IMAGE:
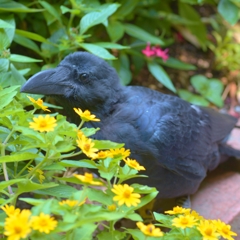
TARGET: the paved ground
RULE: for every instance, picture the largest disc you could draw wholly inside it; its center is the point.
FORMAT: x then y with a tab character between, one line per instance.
219	194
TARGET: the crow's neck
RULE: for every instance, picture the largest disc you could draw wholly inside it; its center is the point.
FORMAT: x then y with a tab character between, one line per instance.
102	108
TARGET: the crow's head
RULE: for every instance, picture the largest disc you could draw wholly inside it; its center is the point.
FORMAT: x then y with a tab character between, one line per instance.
81	79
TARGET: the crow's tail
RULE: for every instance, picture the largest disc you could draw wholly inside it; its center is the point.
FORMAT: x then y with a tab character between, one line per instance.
226	150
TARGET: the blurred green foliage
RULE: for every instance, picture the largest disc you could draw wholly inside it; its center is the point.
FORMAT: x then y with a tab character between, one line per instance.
46	31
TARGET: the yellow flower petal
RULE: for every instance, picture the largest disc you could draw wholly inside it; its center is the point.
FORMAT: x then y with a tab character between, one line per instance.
86	115
43	123
208	230
39	103
87	146
184	221
120	152
88	178
18	226
124	195
178	210
150	230
43	223
134	164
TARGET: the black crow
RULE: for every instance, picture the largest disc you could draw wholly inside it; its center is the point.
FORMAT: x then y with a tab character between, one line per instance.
176	141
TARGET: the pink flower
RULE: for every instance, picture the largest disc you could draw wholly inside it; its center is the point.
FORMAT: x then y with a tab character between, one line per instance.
155	51
148	51
161	53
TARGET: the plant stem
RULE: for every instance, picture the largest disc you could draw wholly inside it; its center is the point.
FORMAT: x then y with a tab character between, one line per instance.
23	169
4	165
31	173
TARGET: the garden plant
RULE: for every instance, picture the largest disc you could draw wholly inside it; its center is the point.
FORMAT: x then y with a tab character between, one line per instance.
56	180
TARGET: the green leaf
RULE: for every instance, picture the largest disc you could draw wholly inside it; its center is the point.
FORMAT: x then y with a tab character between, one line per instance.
6	95
4	64
99	196
175	63
31	35
80	163
199	30
94	18
111	45
211	89
29	186
61	191
97	50
17	78
115	30
51	10
12	6
85	232
141	34
89	131
21	40
7	34
229	11
192	98
122	65
106	144
112	235
158	72
126	8
5	184
21	58
4	24
17	157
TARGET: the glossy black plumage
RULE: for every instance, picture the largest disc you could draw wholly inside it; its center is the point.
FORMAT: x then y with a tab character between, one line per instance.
176	141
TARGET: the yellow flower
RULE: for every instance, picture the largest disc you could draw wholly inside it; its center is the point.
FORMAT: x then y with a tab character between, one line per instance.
43	223
43	123
38	174
86	115
120	152
72	203
150	230
87	146
87	178
18	226
184	221
134	164
39	103
80	134
103	155
125	195
11	210
224	229
208	230
112	207
178	210
194	214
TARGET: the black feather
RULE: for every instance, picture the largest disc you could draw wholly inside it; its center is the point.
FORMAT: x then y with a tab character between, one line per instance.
176	141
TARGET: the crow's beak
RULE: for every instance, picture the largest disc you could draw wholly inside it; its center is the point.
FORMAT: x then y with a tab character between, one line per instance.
48	82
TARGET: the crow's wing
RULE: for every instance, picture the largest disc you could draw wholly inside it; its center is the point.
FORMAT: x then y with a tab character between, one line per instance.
184	136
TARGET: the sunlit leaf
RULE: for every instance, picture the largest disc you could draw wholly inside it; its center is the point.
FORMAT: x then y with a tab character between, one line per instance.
100	16
159	73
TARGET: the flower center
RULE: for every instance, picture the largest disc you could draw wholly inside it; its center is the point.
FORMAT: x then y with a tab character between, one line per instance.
150	229
184	221
208	232
17	229
127	193
43	223
43	124
87	146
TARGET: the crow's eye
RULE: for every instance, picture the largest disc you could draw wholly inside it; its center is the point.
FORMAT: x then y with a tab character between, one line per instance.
83	76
